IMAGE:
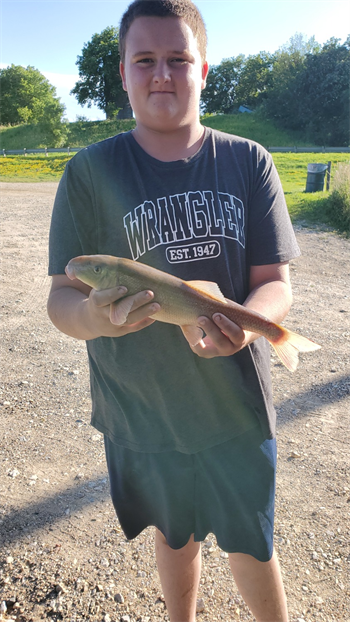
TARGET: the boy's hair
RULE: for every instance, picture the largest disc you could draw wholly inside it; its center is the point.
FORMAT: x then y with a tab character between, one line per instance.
164	8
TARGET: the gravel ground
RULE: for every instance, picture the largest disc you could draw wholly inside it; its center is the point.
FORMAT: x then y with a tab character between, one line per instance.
63	555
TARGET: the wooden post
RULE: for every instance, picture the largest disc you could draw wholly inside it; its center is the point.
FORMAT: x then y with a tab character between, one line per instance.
4	153
328	182
25	151
46	152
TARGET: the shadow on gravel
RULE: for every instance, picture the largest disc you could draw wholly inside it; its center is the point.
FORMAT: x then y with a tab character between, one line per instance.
50	510
319	395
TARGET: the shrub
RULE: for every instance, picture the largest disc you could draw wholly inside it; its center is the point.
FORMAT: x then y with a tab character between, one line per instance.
339	198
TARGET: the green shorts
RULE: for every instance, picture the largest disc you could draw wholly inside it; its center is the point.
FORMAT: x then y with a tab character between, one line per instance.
227	490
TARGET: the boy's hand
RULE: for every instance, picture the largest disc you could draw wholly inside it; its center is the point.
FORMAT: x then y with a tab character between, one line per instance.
103	311
85	313
223	337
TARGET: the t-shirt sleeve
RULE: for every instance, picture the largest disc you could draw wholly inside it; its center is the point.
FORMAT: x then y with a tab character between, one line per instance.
73	223
271	235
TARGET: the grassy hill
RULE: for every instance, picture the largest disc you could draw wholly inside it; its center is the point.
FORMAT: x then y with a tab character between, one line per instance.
82	133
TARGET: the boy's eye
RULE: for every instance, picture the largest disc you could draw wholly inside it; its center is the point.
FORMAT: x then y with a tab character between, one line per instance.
145	60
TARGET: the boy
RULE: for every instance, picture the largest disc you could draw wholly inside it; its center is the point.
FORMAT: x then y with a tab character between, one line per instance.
189	432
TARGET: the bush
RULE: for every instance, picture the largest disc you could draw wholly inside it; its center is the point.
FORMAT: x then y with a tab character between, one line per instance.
339	198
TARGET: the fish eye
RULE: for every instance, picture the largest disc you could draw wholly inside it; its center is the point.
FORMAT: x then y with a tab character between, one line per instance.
97	269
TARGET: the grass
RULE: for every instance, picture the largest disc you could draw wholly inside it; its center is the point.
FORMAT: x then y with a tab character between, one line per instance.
292	167
80	134
255	127
33	167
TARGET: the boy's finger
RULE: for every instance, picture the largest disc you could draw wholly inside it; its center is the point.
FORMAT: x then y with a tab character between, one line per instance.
105	297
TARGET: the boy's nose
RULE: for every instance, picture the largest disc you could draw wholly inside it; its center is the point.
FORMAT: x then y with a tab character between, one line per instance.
161	73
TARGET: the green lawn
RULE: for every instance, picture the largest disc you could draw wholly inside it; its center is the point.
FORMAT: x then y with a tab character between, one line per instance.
292	167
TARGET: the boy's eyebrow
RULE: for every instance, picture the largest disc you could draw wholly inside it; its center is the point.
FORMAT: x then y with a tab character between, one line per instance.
150	52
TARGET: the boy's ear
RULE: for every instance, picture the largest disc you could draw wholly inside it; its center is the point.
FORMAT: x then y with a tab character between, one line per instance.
205	70
122	73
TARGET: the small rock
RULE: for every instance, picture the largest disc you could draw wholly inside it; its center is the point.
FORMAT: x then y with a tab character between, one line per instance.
3	607
13	473
125	619
104	562
9	559
200	605
224	555
60	588
107	618
294	454
99	587
119	598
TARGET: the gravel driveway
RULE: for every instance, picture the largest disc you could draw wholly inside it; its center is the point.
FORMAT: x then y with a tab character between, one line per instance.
63	555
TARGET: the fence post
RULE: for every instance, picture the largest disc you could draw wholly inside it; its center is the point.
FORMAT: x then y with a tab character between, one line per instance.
46	152
329	165
25	151
4	153
68	151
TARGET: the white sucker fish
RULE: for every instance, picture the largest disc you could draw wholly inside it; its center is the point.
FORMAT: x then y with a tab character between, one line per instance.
182	302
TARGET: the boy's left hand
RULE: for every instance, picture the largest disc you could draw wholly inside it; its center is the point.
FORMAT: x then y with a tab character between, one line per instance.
223	337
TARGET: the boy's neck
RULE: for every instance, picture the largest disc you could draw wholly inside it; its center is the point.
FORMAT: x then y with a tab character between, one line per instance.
170	146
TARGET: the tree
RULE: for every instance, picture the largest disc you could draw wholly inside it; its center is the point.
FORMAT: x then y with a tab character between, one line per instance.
284	97
310	90
28	97
100	82
325	87
220	93
254	80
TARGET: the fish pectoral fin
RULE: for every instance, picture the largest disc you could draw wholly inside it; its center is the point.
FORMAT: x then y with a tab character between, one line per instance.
209	288
193	334
120	310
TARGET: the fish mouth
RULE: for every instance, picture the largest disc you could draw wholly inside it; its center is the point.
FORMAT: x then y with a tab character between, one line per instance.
69	270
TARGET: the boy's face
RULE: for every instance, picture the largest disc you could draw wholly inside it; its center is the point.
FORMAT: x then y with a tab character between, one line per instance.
163	73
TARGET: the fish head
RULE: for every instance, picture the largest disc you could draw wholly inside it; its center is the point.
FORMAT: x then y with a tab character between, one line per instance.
97	271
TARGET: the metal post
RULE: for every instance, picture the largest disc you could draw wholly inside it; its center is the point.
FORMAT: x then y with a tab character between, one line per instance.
328	182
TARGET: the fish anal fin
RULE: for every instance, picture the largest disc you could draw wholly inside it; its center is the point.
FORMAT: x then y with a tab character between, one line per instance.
193	334
119	311
209	288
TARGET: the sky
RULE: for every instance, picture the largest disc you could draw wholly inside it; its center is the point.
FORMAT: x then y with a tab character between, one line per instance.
50	34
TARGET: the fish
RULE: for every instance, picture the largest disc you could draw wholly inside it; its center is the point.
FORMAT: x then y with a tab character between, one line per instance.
182	302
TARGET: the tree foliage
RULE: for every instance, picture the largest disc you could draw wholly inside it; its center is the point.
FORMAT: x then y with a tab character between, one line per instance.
303	87
237	81
220	92
28	97
100	82
310	91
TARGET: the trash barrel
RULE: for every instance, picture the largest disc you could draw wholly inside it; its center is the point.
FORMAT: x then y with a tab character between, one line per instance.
315	177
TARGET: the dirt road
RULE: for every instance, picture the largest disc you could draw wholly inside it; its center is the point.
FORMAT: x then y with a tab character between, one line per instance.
63	556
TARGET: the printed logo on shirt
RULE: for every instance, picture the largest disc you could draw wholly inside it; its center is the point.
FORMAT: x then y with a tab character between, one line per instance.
183	218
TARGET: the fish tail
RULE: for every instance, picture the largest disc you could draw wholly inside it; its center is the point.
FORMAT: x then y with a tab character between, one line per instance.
288	346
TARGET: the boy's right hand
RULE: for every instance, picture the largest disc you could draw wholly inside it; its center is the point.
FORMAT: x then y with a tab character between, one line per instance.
106	307
84	313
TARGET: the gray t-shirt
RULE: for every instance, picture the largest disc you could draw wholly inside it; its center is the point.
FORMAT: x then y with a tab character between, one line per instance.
207	217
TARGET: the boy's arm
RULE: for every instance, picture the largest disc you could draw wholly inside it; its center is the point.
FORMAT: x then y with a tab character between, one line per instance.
270	295
84	313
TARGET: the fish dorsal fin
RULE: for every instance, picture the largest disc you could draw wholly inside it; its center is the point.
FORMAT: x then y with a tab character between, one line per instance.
209	288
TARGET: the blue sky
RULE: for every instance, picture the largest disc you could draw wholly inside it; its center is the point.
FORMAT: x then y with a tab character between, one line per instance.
50	34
